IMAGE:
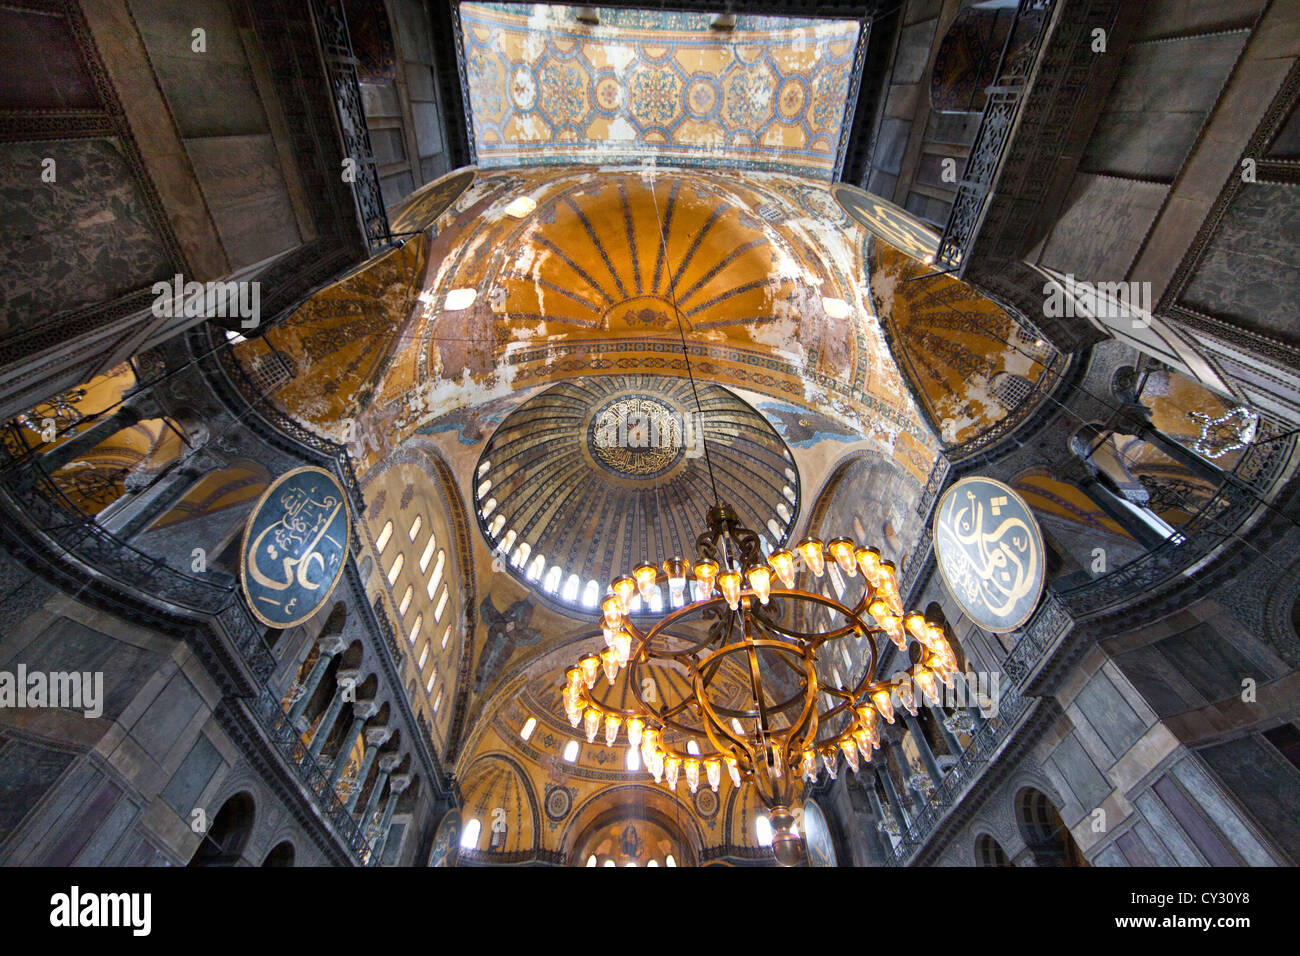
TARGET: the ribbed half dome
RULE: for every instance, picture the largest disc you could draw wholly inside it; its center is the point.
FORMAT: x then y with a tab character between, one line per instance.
592	476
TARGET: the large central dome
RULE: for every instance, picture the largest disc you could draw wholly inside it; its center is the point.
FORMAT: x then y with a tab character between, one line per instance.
590	477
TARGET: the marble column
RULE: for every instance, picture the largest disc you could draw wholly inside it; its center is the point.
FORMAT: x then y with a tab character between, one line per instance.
949	738
346	679
387	764
891	792
361	712
151	504
397	784
327	647
89	436
923	748
376	737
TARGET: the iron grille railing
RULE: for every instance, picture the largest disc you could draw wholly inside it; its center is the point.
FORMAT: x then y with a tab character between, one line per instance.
341	63
1015	66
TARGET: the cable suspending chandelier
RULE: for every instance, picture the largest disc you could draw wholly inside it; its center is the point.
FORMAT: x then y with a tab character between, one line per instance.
754	691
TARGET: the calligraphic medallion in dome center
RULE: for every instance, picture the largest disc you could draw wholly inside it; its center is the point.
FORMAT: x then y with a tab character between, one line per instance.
989	549
639	436
295	545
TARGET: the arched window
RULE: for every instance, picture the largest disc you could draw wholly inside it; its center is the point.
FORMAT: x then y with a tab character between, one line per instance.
571	751
989	852
415	628
591	594
571	588
224	840
469	835
436	578
405	604
382	541
415	527
280	855
529	726
396	569
428	553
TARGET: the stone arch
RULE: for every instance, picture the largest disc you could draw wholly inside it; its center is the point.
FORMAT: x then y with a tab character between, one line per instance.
631	802
223	843
282	854
989	852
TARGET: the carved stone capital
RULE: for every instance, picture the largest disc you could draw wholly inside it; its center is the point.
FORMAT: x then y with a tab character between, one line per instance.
399	782
364	709
388	762
378	736
330	645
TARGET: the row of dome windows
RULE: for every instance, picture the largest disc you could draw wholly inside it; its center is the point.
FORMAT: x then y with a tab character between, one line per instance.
434	587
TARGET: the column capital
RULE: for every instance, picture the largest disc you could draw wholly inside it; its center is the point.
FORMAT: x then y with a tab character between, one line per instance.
364	709
388	762
330	645
344	676
378	736
399	782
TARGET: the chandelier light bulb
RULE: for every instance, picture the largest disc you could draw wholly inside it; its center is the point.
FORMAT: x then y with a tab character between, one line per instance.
649	744
782	563
868	725
609	664
622	648
869	564
915	623
760	581
729	584
645	575
706	573
850	748
609	633
692	768
590	667
624	587
924	678
672	766
733	770
841	549
830	757
612	606
655	764
612	724
634	727
713	771
810	549
883	700
675	568
808	766
591	723
907	696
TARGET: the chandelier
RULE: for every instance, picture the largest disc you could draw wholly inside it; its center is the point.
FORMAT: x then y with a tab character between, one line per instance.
743	620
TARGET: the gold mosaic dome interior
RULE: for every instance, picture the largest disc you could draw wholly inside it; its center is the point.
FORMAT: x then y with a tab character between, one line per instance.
585	480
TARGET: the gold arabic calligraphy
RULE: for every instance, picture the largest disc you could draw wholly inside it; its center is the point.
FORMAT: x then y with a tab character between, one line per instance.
295	541
1000	565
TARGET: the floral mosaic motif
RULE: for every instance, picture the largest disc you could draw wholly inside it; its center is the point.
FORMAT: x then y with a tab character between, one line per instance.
564	93
771	95
830	90
487	79
656	96
749	97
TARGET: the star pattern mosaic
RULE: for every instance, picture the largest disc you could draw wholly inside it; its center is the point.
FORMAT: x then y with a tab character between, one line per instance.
546	89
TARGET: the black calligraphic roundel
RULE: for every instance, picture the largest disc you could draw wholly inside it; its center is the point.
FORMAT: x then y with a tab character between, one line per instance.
989	549
295	544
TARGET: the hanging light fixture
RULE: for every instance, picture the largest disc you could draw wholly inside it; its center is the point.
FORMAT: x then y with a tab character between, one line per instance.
745	619
744	616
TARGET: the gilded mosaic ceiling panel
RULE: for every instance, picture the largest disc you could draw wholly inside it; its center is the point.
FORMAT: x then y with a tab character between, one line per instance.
545	88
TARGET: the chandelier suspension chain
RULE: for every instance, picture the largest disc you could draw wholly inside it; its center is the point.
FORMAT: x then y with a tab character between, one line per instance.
681	332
